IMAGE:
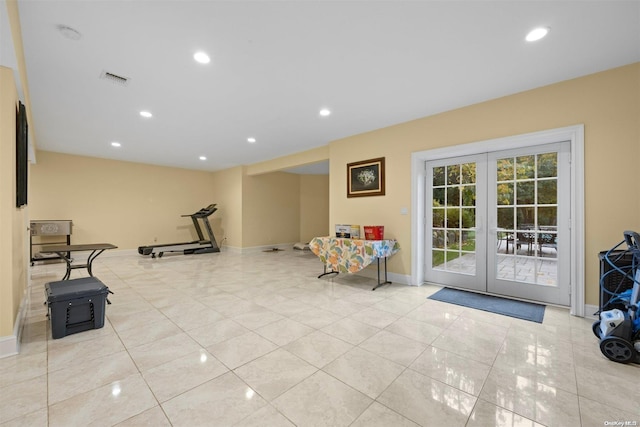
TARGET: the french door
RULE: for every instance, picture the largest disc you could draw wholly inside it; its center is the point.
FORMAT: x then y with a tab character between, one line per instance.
455	220
499	222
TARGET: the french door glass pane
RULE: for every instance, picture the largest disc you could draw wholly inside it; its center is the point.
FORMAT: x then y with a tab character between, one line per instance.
454	218
527	207
438	176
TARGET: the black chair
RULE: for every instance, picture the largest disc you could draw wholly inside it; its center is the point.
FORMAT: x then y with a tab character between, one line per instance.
526	237
548	238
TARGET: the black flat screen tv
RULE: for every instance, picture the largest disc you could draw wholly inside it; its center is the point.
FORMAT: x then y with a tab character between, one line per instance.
22	155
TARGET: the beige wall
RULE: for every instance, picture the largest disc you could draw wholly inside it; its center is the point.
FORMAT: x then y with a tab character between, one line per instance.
227	221
314	206
281	207
270	209
127	204
132	204
314	155
313	197
13	221
606	103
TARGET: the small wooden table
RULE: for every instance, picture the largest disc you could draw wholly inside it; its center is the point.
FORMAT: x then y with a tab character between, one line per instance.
64	252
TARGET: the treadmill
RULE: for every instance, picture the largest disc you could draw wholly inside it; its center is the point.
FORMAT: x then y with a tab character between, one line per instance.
200	246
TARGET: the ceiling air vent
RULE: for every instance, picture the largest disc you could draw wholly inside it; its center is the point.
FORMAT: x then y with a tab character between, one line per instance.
114	78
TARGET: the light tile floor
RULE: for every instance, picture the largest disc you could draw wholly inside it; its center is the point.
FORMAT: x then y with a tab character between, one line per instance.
257	340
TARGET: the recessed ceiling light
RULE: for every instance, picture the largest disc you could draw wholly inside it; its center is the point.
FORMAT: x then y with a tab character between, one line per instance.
146	114
68	32
251	140
537	34
201	57
325	112
203	158
115	144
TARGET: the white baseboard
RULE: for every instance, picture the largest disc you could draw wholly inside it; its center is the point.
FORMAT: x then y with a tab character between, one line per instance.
234	249
263	248
589	311
10	345
225	248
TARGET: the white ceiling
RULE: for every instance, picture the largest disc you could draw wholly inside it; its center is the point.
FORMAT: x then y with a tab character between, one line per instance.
275	64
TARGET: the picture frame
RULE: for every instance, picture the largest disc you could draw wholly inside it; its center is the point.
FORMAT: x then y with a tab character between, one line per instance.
366	178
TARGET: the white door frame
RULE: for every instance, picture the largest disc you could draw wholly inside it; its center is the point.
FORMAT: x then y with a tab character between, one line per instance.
574	134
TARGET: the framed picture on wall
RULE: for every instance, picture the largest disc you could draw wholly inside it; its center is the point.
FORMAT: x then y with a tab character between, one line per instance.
365	178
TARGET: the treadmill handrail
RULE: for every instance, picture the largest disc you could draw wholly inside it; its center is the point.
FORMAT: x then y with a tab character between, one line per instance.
204	212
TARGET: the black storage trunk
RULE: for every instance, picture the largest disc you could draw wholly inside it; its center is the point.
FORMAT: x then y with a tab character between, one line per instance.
612	280
76	305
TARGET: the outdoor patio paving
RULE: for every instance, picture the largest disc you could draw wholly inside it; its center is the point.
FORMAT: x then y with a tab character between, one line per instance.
520	267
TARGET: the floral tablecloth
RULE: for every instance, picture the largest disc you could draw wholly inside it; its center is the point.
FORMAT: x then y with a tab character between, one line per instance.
351	255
